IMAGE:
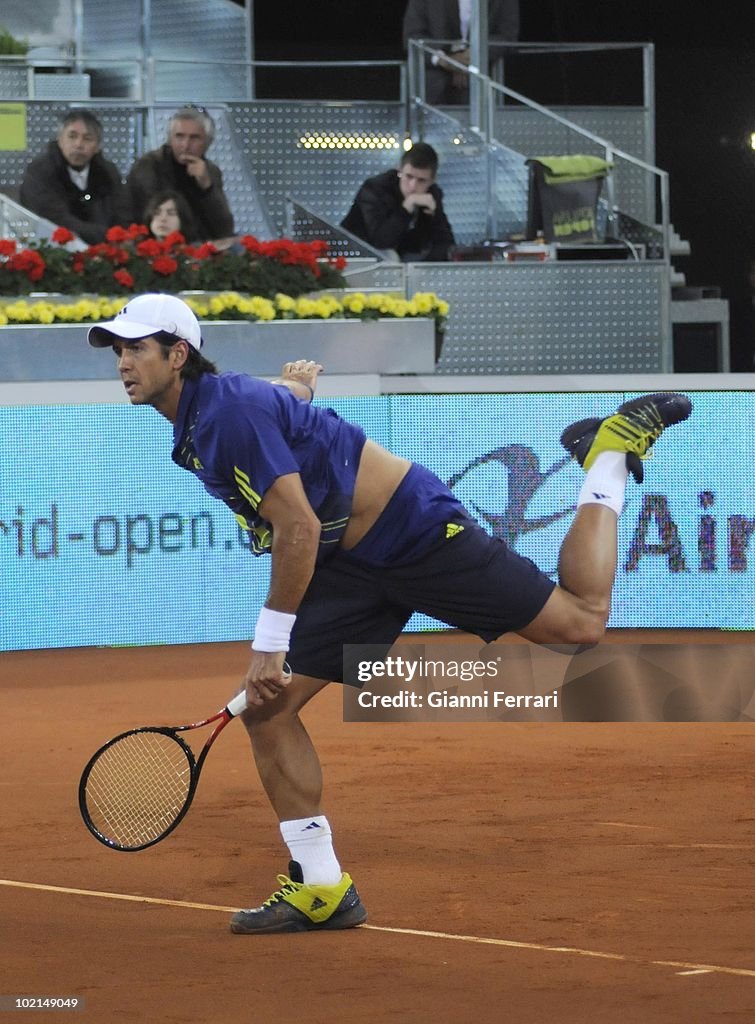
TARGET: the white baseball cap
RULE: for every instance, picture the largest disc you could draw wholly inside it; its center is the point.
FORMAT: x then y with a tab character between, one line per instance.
146	315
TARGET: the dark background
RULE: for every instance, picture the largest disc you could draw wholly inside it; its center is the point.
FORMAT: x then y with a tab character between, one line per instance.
704	66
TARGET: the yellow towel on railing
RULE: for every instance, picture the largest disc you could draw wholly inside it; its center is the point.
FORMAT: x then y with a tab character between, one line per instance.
564	169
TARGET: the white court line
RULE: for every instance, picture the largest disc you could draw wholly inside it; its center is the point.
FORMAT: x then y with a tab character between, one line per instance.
479	940
625	824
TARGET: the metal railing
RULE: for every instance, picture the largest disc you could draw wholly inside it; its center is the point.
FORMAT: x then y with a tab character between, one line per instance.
150	78
485	96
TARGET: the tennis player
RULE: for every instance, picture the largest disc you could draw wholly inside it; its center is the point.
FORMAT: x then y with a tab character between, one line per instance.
359	538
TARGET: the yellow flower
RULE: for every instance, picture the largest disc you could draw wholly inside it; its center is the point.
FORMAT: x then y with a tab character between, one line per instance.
18	311
255	307
424	302
263	309
42	313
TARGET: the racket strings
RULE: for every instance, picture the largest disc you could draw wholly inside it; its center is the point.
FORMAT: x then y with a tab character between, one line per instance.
137	788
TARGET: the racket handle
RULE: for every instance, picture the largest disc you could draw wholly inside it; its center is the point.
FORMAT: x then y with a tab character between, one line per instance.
238	703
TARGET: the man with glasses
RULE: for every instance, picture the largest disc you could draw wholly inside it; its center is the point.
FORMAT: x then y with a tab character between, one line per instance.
73	185
180	165
403	211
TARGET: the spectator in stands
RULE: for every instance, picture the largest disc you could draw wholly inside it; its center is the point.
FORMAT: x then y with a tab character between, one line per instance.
403	210
73	185
450	20
166	213
180	165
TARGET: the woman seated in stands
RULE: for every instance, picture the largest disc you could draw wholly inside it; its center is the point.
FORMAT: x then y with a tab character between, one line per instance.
167	212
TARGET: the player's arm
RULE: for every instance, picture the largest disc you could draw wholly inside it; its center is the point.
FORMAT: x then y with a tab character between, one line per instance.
300	377
296	536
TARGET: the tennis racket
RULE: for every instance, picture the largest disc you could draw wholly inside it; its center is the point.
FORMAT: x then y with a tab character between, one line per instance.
139	785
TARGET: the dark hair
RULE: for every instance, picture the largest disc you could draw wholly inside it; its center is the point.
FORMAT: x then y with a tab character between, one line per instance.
421	155
185	216
82	114
195	364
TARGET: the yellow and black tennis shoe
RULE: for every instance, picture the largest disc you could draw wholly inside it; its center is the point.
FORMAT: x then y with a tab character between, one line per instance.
633	429
297	907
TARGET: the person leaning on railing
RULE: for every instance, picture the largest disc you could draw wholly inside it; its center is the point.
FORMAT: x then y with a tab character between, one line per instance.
73	185
451	19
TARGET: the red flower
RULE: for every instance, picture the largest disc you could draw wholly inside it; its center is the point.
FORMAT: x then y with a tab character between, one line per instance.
340	263
116	234
174	238
251	244
62	235
123	277
149	247
164	265
7	246
137	231
28	261
201	252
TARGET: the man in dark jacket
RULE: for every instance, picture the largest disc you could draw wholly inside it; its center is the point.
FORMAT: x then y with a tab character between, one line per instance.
73	185
449	21
180	165
403	210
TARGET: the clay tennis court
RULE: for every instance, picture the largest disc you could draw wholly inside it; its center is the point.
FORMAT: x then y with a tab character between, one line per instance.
528	872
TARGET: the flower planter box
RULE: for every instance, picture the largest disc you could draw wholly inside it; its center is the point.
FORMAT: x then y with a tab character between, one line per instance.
386	346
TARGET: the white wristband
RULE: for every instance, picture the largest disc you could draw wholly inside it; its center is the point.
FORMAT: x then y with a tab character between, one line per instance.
272	632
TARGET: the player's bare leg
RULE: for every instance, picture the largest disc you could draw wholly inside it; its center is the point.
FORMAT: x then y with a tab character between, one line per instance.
316	895
286	759
609	450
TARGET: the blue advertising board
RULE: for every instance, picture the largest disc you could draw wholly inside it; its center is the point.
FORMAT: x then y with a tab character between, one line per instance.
104	541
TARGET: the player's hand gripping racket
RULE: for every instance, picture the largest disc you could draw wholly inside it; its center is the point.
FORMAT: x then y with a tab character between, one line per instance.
138	786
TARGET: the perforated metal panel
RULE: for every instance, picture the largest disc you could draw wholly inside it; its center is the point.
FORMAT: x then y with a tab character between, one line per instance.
17	222
273	136
304	226
214	31
61	87
113	29
533	134
177	30
462	174
248	205
389	277
14	81
551	317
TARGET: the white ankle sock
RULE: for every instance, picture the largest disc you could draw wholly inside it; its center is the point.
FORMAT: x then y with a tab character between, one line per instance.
605	482
310	843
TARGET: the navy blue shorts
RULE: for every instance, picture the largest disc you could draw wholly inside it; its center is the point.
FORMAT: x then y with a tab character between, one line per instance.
469	580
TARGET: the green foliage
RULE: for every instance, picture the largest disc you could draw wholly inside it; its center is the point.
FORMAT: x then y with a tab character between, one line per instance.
10	46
